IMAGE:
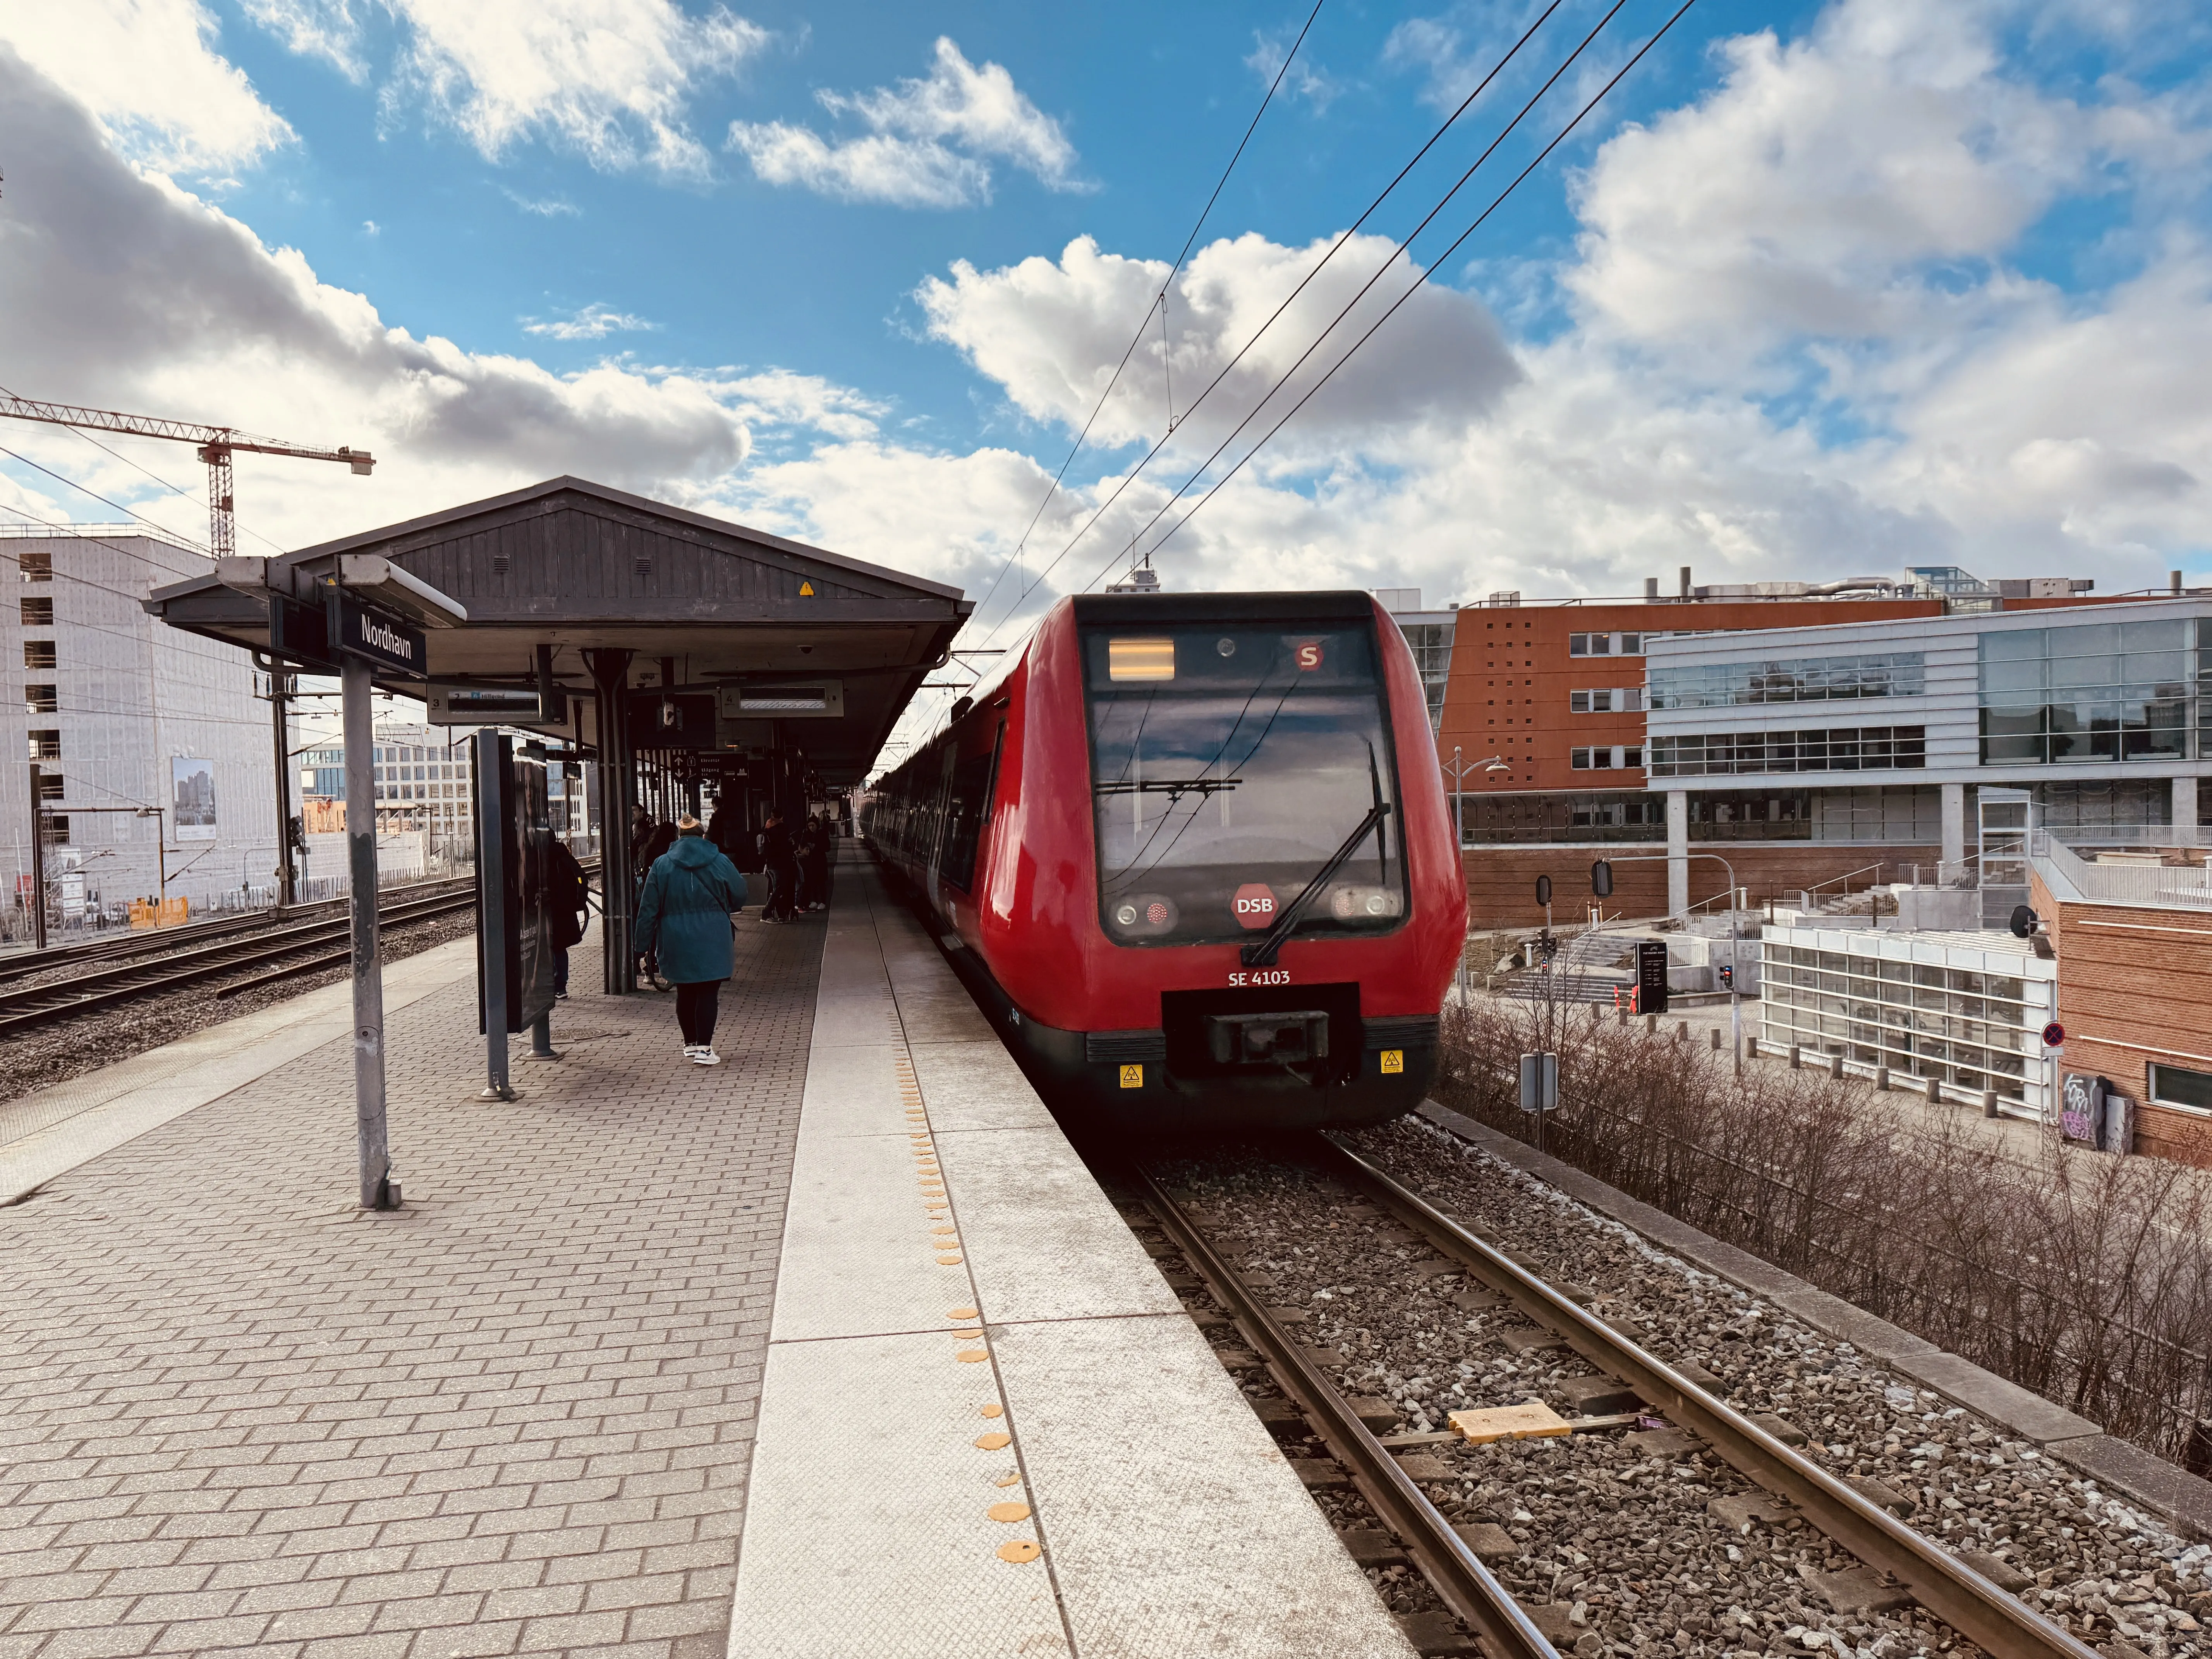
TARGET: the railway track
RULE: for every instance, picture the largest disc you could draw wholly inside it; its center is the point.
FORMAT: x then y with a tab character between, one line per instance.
1943	1585
300	947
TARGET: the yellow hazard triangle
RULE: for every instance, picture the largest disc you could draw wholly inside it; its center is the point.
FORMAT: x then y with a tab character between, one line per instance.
807	590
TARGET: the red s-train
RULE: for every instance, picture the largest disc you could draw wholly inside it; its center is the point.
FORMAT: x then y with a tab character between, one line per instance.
1192	855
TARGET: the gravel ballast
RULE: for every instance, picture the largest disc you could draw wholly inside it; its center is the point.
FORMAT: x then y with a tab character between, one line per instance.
1625	1540
54	1054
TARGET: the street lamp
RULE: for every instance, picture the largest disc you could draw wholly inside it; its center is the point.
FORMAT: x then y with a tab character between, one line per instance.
1459	769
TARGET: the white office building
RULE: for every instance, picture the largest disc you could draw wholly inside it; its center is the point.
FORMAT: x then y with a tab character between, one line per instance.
156	759
1891	731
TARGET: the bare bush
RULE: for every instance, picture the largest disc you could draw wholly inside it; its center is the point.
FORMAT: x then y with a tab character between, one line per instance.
2083	1277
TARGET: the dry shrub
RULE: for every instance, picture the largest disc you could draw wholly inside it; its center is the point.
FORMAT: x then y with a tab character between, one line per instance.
2079	1275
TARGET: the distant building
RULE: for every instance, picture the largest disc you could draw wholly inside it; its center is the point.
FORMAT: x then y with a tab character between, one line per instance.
423	784
1629	725
156	758
1429	633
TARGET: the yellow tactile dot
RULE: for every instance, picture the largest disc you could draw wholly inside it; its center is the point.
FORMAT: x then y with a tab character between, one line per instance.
1019	1549
993	1411
971	1356
994	1442
1009	1513
960	1313
948	1261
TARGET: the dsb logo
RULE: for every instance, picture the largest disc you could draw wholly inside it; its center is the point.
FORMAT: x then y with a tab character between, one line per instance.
1255	904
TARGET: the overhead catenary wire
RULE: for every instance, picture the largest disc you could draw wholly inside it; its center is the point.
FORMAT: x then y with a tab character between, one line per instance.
1420	281
1158	303
1288	300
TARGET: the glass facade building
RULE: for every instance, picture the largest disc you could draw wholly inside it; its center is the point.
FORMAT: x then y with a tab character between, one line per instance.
1848	749
1803	679
2093	691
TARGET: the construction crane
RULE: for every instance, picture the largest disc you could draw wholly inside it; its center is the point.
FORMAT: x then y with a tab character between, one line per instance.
216	446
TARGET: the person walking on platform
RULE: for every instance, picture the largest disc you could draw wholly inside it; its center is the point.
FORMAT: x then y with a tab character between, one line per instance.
568	894
683	916
779	858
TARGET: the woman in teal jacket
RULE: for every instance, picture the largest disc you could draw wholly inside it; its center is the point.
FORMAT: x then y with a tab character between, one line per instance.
683	916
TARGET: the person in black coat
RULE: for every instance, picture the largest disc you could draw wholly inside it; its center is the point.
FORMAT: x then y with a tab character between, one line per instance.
781	860
814	865
568	896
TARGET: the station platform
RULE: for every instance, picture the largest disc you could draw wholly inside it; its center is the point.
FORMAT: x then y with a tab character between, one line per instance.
836	1349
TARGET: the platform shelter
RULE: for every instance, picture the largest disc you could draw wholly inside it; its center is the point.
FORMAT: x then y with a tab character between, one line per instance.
682	656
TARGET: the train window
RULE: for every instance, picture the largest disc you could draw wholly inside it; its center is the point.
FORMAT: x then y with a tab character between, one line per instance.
1239	773
1140	660
966	809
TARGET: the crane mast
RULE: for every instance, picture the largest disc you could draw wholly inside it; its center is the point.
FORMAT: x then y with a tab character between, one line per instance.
217	445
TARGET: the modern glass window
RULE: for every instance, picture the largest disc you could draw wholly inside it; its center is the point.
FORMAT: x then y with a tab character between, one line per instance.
1849	749
2098	691
2175	1085
1617	700
1797	679
1603	759
1605	645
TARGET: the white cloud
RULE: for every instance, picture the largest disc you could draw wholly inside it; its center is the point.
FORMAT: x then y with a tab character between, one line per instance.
125	291
593	322
149	70
930	141
1052	334
1834	187
547	207
1305	79
608	79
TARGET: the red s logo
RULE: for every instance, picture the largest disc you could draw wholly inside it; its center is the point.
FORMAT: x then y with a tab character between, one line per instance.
1308	655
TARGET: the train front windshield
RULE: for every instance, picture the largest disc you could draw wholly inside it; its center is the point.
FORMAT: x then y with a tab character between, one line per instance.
1229	765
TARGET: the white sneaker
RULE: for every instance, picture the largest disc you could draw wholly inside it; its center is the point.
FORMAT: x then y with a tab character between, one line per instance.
691	1048
705	1057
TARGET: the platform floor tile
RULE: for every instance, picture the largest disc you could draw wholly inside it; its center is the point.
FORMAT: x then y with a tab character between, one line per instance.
987	1425
516	1417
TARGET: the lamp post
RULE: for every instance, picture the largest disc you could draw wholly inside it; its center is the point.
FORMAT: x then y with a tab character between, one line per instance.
1459	769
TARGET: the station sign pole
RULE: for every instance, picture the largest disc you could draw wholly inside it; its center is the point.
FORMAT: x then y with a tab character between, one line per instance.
366	639
377	1190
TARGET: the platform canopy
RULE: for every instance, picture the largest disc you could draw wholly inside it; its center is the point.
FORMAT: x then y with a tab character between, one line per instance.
703	606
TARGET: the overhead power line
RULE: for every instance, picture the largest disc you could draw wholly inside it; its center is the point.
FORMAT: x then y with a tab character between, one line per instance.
1189	242
1420	281
1335	247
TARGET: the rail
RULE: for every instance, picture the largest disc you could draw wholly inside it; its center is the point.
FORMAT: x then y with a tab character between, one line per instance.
1467	1587
2188	885
1970	1603
1847	877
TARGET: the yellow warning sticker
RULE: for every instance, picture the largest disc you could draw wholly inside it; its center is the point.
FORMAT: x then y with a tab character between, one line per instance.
1133	1077
1393	1061
807	590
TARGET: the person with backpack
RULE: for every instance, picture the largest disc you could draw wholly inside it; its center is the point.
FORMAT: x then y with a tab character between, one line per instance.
684	917
568	896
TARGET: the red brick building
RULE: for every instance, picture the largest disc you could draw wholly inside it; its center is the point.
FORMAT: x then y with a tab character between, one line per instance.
2134	942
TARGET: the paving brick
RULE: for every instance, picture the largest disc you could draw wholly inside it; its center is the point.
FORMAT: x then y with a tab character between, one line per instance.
540	1379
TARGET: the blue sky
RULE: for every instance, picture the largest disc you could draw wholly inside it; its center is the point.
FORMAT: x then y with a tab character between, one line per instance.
730	270
1823	290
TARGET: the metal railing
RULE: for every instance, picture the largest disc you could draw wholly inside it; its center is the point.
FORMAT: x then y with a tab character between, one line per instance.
2188	885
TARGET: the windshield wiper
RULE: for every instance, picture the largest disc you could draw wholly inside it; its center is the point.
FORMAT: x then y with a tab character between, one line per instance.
1261	953
1168	786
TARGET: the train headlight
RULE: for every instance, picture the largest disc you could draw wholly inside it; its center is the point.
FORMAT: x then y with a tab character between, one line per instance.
1365	904
1143	915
